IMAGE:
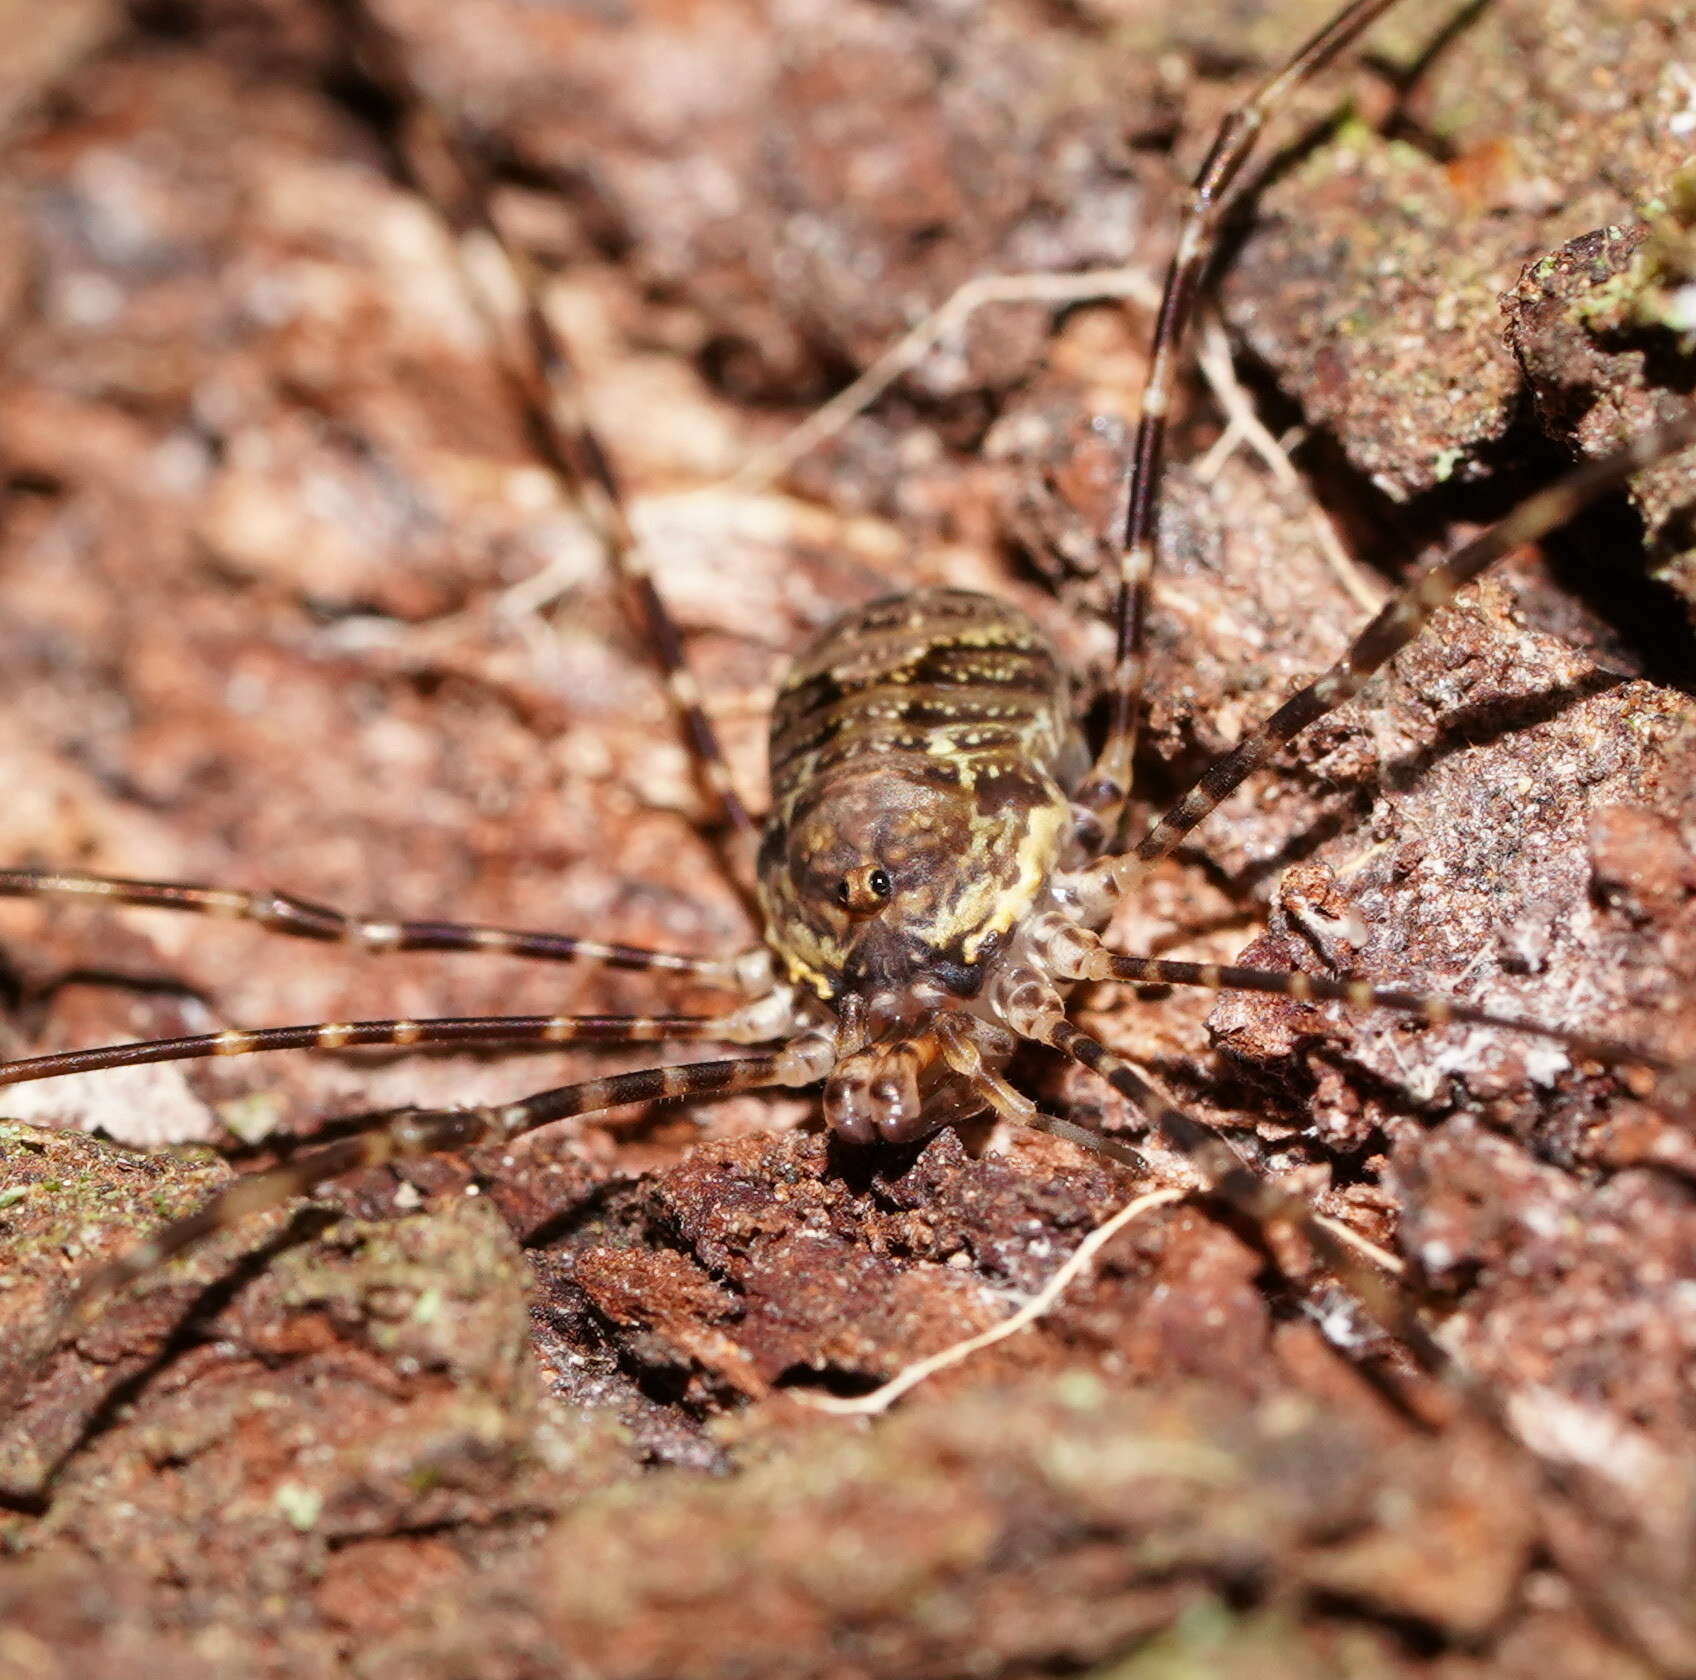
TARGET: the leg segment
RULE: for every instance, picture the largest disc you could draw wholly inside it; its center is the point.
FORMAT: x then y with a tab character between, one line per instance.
443	169
403	1134
1233	145
1095	963
283	913
1394	626
1031	1006
962	1053
473	1032
1580	1500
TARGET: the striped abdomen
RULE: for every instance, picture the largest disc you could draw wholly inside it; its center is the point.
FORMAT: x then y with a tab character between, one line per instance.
921	752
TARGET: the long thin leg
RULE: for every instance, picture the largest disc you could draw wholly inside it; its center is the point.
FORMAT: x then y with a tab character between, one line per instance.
444	170
961	1051
302	919
964	1057
1109	782
402	1134
1580	1501
1393	627
1258	1199
1034	1009
466	1032
1099	964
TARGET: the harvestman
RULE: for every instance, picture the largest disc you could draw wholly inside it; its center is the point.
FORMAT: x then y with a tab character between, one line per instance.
941	853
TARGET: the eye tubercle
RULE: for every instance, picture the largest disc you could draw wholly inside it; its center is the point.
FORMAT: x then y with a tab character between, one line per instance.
865	890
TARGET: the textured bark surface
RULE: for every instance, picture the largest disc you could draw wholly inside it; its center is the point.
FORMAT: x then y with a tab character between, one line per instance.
268	618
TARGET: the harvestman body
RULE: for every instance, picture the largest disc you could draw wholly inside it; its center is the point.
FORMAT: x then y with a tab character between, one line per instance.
941	854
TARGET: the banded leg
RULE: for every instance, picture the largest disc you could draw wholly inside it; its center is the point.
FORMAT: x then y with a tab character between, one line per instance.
1393	627
1034	1009
443	168
1580	1500
1210	194
403	1134
960	1050
1082	958
465	1032
283	913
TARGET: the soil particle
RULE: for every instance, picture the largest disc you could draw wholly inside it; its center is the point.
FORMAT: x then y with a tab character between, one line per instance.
1058	1519
1540	123
1469	874
1594	328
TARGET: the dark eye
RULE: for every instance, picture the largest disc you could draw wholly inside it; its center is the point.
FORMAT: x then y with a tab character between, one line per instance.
879	883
